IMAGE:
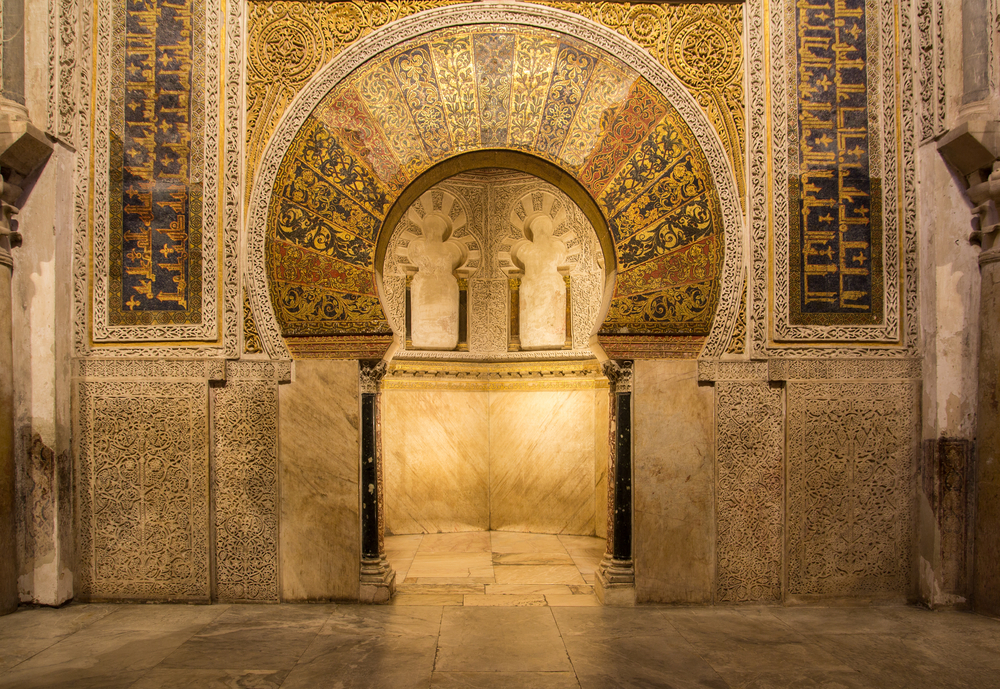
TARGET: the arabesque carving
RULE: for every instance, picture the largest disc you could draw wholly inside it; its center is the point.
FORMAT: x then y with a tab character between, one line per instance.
245	482
355	312
851	490
749	491
142	487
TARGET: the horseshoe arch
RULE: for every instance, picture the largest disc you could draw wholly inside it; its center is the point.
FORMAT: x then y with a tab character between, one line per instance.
485	79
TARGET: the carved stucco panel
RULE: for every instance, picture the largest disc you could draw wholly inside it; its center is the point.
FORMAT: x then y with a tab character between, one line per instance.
245	483
851	463
749	491
142	489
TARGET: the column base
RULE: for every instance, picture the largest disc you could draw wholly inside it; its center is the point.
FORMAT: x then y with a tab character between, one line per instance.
615	583
378	581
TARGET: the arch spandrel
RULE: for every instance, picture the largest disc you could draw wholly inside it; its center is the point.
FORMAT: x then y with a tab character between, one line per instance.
498	86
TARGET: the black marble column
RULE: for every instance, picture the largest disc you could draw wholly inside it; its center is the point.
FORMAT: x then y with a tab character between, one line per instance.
378	580
615	584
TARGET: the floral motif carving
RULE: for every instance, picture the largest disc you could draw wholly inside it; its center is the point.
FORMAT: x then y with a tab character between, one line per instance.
245	483
749	491
251	338
701	44
851	463
142	453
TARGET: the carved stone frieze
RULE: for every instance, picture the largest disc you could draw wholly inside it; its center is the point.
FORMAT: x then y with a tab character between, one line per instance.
749	491
839	369
710	370
851	487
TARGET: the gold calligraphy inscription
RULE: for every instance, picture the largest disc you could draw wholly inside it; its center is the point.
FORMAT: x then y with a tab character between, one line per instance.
836	218
156	236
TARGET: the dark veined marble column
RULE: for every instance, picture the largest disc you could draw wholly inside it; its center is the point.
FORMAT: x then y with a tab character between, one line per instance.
615	582
378	580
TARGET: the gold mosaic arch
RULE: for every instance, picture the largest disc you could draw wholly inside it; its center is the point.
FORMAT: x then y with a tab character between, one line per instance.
492	78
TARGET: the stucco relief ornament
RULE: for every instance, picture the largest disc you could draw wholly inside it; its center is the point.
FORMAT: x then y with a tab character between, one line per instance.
436	260
542	256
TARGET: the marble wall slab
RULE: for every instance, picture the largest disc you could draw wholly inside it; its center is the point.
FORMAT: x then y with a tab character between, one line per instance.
673	459
435	448
318	457
602	440
462	457
542	461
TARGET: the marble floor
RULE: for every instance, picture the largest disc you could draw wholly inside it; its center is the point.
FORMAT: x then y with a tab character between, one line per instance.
494	568
452	646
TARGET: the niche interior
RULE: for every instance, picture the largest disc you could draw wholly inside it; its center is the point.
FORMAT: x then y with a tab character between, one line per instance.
494	410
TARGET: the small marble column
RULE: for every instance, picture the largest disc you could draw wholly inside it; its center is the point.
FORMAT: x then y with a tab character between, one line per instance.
378	580
615	581
514	330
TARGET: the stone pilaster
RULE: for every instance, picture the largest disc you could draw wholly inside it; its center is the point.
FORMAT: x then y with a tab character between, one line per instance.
615	581
22	149
378	580
986	590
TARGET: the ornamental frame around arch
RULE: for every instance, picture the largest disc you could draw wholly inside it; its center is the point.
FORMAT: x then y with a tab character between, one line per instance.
355	56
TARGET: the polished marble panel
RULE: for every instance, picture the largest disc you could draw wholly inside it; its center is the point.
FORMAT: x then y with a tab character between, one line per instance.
513	568
516	600
504	680
674	483
542	461
499	640
318	418
537	574
439	640
454	565
435	445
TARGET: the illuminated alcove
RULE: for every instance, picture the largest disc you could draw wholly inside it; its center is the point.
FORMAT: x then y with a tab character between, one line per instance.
486	435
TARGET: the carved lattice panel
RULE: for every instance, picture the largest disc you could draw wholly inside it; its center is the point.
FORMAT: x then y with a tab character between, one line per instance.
246	483
749	491
851	449
143	488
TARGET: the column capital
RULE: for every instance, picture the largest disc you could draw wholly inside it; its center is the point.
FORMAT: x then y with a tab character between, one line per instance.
370	374
619	373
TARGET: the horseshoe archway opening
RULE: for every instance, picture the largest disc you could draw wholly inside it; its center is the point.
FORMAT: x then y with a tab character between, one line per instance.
494	456
629	147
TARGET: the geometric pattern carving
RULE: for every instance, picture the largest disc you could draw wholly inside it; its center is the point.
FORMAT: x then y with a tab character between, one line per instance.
245	483
142	454
750	490
851	452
